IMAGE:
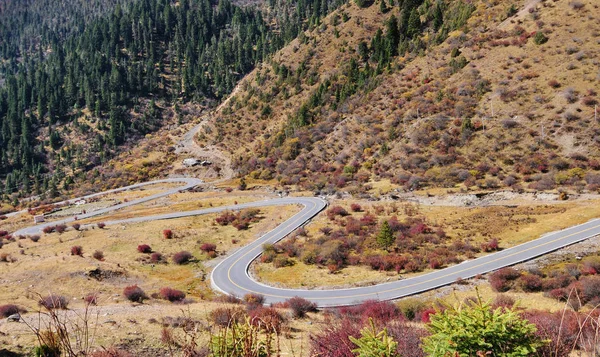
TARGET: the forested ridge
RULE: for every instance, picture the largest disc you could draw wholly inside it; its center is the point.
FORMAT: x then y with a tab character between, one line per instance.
102	81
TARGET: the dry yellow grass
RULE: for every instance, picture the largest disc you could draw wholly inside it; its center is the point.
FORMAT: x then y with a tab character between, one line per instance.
536	301
47	266
188	201
305	276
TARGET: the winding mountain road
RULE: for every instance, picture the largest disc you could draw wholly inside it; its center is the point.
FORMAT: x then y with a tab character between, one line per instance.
231	275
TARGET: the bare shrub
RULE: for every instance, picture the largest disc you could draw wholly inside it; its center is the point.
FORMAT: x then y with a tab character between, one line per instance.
51	302
134	293
98	255
182	257
171	295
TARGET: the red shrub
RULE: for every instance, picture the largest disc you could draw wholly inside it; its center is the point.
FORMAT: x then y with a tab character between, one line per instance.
490	246
156	257
425	315
225	218
241	225
144	248
134	293
77	250
530	283
9	309
171	294
590	287
91	299
301	306
409	339
501	280
60	228
560	294
208	247
418	228
182	257
553	83
98	255
560	329
101	225
167	233
35	237
48	229
51	302
267	318
355	207
76	226
336	211
333	341
380	311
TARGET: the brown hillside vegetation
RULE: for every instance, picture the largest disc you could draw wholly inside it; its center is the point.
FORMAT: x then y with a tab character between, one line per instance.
505	100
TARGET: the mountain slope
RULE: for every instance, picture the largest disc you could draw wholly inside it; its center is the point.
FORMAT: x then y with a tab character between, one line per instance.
427	119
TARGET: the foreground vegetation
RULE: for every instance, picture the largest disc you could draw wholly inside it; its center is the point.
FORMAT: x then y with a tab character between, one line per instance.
246	328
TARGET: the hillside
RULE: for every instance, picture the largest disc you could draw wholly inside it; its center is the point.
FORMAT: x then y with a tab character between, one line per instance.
505	100
79	89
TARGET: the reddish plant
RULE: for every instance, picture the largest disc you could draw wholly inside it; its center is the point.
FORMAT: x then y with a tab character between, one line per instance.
490	246
98	255
60	228
77	250
380	311
208	247
144	248
426	315
52	302
561	329
267	318
76	226
355	207
501	280
530	283
333	340
35	237
182	257
48	229
134	293
336	211
171	294
101	225
156	257
91	299
10	309
301	306
167	233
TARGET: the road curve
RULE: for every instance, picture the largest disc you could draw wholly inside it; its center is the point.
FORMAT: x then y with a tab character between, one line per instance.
187	184
231	275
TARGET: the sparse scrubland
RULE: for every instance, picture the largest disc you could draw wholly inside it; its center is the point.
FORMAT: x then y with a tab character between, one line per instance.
372	104
482	98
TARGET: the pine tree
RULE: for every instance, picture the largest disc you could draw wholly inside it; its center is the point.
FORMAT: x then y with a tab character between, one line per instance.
385	238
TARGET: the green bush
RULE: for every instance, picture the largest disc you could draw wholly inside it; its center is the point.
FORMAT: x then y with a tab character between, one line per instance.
476	329
539	38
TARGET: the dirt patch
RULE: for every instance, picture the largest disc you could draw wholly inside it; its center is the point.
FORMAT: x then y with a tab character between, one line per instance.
483	199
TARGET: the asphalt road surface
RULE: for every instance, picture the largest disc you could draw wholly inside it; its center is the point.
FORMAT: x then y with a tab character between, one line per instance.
231	275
